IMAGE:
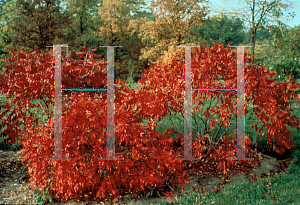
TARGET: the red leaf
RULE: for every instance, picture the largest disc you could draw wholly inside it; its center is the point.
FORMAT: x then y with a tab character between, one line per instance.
82	121
83	48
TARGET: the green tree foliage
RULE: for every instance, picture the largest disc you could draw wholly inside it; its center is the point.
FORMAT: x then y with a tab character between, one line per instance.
121	27
83	29
264	50
222	29
261	34
287	42
91	23
7	15
261	11
37	23
6	11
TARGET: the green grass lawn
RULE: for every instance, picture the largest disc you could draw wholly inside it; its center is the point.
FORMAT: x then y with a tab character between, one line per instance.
280	189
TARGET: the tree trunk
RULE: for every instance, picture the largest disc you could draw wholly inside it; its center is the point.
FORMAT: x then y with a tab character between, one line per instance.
130	70
253	31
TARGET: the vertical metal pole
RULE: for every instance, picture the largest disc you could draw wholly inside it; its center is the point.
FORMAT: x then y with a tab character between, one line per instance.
240	110
240	145
110	105
57	100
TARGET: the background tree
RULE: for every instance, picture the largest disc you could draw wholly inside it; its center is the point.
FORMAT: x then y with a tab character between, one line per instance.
84	27
266	11
121	28
222	29
83	30
287	42
173	20
7	15
263	45
37	23
11	16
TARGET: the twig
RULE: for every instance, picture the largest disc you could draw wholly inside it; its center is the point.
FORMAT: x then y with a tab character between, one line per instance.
85	82
85	75
170	186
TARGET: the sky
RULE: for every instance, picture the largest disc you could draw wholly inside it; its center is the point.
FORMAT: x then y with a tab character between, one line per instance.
235	5
239	4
